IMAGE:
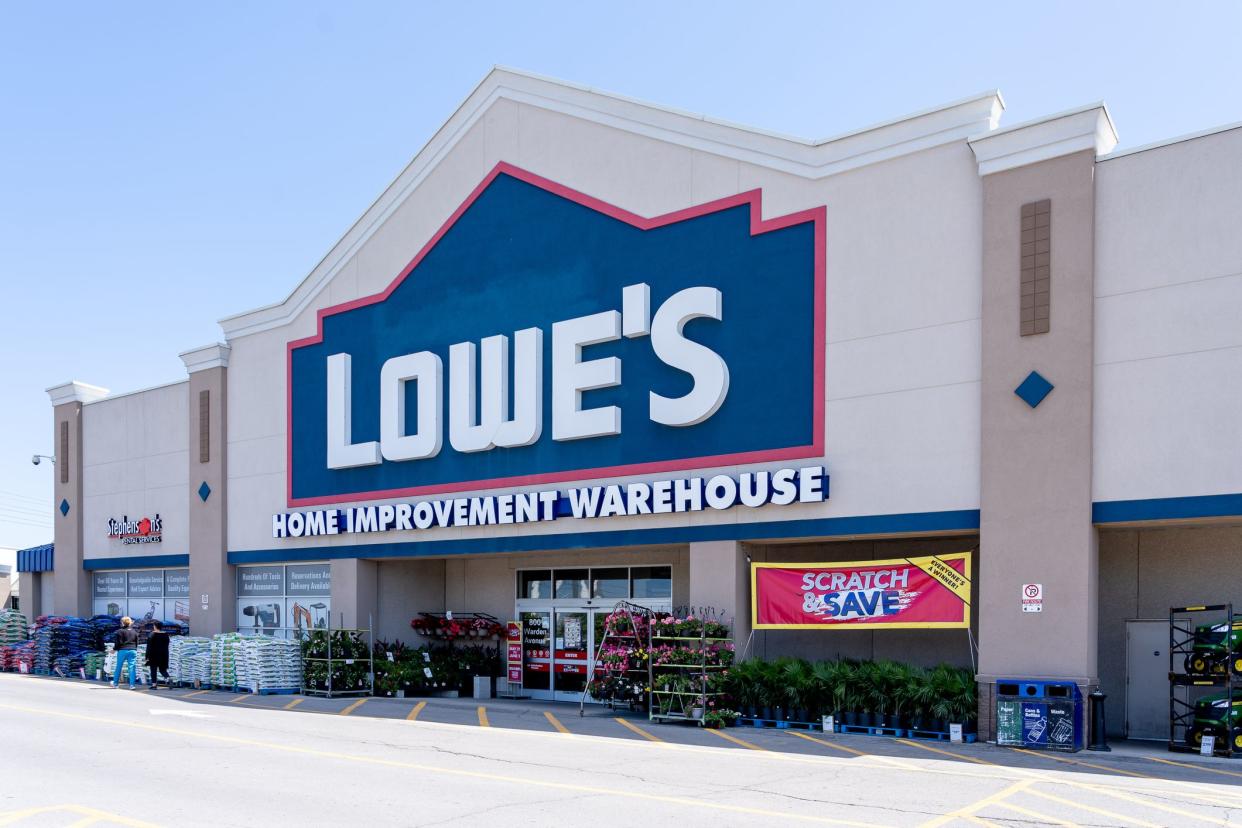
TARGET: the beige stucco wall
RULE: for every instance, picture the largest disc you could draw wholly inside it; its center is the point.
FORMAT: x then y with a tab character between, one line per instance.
903	301
1168	348
135	457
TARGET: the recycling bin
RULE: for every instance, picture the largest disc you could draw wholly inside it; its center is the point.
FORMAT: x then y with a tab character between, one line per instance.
1047	715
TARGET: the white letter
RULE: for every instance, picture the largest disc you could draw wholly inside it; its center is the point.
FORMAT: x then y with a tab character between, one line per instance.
343	453
279	525
783	489
636	310
571	375
527	423
721	492
427	370
705	366
464	435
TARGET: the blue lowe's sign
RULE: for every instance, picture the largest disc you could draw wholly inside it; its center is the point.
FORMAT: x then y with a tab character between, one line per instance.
545	336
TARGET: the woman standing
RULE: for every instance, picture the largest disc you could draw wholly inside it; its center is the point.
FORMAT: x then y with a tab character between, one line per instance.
157	653
126	645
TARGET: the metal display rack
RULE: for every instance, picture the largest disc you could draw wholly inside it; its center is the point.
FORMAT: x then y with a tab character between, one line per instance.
679	705
631	639
1186	687
363	635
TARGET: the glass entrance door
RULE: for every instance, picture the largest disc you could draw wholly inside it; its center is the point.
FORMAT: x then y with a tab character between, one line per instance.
572	653
537	653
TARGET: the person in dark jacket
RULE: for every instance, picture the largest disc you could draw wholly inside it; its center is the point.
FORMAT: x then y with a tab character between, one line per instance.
157	653
126	646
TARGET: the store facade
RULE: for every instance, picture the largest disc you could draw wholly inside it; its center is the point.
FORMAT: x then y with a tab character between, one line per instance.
586	350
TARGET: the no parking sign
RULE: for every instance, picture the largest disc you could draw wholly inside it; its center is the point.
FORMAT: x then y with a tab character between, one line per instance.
1032	597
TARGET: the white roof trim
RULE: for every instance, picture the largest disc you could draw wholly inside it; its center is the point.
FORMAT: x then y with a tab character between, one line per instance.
810	159
1085	128
136	391
215	355
74	391
1168	142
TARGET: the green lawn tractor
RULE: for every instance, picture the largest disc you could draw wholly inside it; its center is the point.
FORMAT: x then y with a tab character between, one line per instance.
1217	649
1213	717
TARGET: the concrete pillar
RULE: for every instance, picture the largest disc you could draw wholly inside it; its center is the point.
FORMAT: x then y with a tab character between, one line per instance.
355	593
31	594
71	593
720	580
1036	455
210	574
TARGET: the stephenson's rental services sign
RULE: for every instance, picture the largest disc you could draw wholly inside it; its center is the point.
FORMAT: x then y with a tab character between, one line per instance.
928	592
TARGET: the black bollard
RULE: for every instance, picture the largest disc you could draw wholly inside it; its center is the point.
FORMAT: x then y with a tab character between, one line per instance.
1099	731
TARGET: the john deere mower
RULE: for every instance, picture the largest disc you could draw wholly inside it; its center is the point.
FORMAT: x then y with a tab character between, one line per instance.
1217	649
1213	717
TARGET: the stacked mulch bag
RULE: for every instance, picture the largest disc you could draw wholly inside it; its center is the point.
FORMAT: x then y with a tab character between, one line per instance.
13	656
189	660
225	653
14	627
269	664
59	636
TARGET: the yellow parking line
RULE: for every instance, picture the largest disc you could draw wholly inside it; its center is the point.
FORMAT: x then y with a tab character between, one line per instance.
431	770
1038	817
735	740
195	693
560	728
483	722
84	821
354	706
295	702
948	753
826	743
239	697
1109	791
413	714
1101	811
1067	761
635	728
1193	767
89	815
978	805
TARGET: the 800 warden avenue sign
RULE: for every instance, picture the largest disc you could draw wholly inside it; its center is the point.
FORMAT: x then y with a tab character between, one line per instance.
543	336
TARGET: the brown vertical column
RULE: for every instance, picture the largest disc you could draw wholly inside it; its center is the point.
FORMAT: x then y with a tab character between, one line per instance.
71	593
720	580
1036	401
212	599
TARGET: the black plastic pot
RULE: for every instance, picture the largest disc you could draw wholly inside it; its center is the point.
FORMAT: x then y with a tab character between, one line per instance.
939	726
800	715
872	719
918	723
778	714
750	712
850	717
767	713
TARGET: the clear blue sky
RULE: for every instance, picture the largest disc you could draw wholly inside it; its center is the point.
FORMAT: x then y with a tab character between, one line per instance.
164	165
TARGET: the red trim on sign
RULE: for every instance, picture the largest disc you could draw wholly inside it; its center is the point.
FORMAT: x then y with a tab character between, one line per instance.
753	198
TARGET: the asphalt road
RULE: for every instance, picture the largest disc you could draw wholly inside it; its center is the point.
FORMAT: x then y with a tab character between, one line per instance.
79	753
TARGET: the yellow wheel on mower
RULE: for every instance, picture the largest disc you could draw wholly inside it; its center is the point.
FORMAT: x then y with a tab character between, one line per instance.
1198	664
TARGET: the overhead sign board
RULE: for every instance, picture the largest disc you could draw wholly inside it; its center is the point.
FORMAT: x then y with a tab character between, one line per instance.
922	592
544	336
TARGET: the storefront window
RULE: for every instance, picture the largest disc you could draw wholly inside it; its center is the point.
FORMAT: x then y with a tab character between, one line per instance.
535	583
159	594
572	583
610	583
651	581
283	600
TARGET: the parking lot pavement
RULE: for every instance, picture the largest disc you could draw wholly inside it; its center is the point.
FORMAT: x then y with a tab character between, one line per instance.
454	759
1131	760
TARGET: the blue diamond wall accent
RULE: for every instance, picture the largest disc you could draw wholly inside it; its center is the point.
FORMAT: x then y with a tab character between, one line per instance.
64	507
1033	389
204	491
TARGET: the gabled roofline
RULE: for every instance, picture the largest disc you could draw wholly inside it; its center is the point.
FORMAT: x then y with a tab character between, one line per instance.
809	159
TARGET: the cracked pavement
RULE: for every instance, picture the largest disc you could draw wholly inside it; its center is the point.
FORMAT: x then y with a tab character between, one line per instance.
80	753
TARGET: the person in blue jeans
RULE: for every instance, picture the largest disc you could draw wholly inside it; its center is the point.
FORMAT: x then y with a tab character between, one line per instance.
126	646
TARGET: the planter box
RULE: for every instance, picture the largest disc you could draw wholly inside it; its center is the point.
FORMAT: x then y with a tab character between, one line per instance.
482	687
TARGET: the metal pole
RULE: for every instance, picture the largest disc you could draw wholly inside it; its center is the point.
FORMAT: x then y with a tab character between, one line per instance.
1099	731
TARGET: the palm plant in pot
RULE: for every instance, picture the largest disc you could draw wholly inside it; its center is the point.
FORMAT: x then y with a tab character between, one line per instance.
798	689
826	677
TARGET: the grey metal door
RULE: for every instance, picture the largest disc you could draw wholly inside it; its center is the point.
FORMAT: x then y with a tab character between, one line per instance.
1147	680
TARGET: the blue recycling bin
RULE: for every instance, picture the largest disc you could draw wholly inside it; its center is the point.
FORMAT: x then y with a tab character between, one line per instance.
1047	715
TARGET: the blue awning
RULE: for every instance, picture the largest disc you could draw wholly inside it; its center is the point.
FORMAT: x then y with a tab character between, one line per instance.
35	559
